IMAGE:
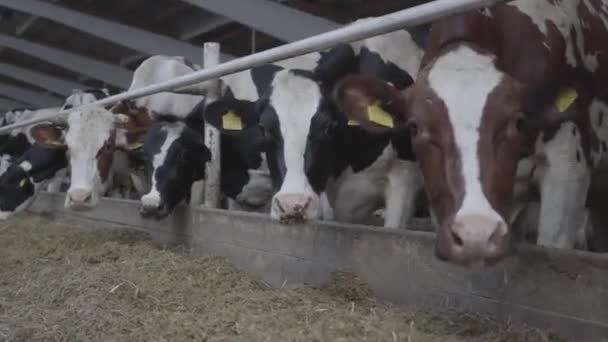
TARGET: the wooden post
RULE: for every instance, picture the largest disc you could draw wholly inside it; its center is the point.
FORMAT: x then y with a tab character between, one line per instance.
211	53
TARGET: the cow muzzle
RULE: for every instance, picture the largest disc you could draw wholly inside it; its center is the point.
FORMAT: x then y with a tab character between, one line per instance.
474	240
294	208
79	199
153	207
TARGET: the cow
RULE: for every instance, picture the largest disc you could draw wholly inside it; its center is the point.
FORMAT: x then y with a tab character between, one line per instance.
178	135
312	149
39	164
499	87
91	140
19	140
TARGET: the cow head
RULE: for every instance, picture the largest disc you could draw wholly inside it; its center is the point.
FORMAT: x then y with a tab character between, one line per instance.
281	123
175	156
91	141
470	125
22	180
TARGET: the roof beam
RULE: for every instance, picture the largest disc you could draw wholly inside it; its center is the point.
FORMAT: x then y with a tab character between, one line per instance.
28	96
199	27
8	104
272	18
108	73
128	36
53	84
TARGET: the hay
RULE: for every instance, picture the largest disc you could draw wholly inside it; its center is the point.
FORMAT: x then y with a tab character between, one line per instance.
60	283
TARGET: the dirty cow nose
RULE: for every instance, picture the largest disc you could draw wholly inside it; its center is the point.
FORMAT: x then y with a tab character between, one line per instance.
290	208
474	239
79	199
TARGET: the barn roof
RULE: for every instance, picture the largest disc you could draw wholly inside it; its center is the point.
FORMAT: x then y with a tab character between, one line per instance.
48	47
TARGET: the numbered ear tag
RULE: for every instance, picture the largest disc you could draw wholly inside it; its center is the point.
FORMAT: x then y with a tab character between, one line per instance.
353	123
565	99
379	116
135	146
232	122
22	183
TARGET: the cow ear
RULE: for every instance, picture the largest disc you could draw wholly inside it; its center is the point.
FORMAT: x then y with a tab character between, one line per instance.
48	135
231	116
335	63
566	106
371	103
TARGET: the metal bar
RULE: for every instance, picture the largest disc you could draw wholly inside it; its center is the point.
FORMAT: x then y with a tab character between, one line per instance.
131	37
111	74
29	96
212	134
391	22
54	84
280	21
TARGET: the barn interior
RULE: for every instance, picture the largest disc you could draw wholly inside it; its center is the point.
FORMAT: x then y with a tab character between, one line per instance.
50	47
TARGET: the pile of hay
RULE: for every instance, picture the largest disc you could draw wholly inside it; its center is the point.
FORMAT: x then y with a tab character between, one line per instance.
61	283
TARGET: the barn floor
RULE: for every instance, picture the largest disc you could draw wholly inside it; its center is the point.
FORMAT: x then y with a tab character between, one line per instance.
62	283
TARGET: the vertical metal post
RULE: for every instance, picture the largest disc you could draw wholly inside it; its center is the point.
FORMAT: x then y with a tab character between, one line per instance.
211	53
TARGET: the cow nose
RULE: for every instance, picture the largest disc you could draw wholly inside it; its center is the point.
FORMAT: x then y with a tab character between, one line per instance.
474	239
290	208
80	199
152	206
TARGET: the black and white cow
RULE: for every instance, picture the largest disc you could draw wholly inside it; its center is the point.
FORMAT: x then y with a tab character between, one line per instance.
178	136
19	140
39	164
311	147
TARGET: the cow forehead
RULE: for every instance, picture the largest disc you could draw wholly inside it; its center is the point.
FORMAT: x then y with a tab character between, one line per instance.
89	129
463	79
295	100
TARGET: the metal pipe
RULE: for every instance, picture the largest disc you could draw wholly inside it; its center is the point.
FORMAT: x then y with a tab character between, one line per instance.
391	22
212	135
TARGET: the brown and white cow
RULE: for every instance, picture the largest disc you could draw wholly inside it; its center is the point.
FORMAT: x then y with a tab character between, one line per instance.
497	86
94	137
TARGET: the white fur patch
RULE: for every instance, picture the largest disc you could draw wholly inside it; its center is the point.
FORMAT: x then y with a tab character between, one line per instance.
5	162
562	15
79	98
26	166
159	69
174	131
449	74
295	100
88	131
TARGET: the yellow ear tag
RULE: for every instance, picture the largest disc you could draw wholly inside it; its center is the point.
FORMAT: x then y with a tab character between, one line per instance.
22	183
565	99
379	116
231	121
135	146
353	123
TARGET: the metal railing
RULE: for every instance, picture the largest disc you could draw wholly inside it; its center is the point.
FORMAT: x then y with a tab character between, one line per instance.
413	16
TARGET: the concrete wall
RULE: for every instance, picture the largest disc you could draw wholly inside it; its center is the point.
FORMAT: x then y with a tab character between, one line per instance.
565	291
